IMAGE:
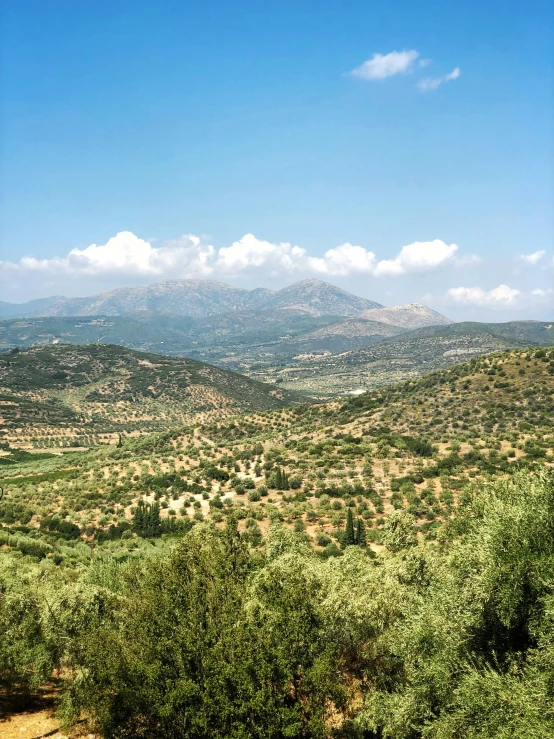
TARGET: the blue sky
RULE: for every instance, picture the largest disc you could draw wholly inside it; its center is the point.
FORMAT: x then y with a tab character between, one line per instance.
221	119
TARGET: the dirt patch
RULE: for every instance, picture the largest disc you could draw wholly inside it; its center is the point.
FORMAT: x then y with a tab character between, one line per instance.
34	716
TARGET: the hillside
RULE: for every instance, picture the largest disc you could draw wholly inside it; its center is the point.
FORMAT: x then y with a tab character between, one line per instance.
321	356
212	337
66	393
410	354
201	298
407	521
413	315
413	445
338	336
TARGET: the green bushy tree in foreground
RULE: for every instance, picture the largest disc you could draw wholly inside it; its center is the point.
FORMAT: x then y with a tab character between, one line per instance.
442	640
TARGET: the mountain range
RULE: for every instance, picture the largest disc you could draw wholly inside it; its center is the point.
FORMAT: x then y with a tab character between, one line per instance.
241	338
201	298
310	337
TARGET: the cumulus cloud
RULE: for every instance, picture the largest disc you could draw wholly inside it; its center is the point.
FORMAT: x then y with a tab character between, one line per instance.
128	255
421	256
431	83
381	66
343	260
533	258
251	253
499	297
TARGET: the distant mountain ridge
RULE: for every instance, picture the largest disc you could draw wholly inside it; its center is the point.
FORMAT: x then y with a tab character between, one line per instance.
202	298
30	308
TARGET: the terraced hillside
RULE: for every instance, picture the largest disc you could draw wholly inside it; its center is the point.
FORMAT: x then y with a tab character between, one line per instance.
71	394
413	446
410	354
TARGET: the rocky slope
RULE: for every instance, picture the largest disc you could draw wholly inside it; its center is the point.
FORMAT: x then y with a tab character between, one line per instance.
319	298
412	315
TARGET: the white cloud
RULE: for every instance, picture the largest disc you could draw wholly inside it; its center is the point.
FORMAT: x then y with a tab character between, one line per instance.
431	83
499	297
250	253
533	258
128	255
343	260
381	66
421	256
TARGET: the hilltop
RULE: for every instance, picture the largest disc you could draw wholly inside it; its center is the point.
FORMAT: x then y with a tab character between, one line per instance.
412	315
72	394
201	298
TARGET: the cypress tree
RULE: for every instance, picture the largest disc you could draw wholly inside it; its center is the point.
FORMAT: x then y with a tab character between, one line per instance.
349	539
361	539
138	518
155	522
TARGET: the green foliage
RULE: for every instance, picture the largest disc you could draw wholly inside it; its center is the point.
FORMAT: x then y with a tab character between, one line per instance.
399	531
215	639
146	519
349	534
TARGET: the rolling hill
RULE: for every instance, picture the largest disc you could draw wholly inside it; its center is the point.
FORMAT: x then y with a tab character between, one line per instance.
409	354
65	392
320	356
413	445
338	336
